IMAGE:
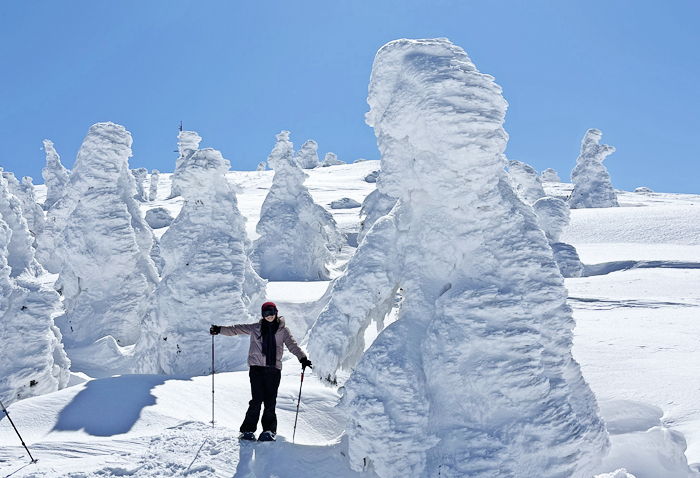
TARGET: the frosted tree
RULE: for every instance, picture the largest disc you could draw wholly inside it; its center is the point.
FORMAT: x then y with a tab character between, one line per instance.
331	159
307	156
188	143
18	250
550	175
207	277
526	183
54	174
31	210
140	176
297	236
153	188
592	186
554	215
476	377
32	359
105	273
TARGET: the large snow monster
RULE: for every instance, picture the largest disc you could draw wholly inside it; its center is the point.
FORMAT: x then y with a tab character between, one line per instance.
476	377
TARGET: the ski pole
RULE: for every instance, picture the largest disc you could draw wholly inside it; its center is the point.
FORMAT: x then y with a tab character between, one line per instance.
298	401
212	381
20	436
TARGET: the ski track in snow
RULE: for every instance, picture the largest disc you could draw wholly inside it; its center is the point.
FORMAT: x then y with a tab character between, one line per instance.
636	340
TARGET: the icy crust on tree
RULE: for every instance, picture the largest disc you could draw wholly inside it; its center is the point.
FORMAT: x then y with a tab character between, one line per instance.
592	185
375	205
296	234
103	252
207	279
550	175
476	377
188	143
32	359
153	185
54	174
526	183
19	250
331	159
307	156
32	212
553	215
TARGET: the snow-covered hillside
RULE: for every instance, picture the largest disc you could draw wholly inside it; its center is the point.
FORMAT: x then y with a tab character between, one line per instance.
635	339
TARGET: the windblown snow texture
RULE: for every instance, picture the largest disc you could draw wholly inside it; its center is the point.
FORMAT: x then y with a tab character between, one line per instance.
526	183
550	175
554	215
476	377
54	174
32	212
331	159
307	156
140	176
375	205
19	251
106	273
32	359
188	143
207	279
153	187
591	179
296	234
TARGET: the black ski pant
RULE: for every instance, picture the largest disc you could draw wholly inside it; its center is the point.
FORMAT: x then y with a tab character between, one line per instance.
264	382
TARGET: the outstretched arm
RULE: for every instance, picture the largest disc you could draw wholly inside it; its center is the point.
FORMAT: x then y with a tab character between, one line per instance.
238	329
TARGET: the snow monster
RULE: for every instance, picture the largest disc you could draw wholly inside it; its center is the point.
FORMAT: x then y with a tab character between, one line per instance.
476	377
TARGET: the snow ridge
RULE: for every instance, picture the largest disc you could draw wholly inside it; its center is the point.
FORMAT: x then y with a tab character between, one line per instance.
460	383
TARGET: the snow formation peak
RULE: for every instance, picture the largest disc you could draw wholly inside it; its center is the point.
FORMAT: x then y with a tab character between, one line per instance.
54	174
593	187
482	344
296	234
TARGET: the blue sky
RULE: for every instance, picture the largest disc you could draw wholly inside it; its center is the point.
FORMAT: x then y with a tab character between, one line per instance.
238	72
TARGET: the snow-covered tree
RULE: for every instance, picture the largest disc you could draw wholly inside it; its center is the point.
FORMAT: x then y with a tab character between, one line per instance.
554	215
31	210
54	174
307	156
592	185
526	183
262	166
207	278
105	272
476	377
188	143
140	176
153	188
32	359
296	234
331	159
550	175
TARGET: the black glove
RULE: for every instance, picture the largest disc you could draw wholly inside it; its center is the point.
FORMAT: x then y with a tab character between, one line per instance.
305	363
215	329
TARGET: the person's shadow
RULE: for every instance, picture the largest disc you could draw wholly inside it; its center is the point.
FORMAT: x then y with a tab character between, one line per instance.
110	406
245	460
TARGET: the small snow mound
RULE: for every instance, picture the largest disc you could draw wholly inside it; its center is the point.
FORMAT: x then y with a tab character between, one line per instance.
643	190
621	473
360	160
331	159
550	175
158	217
372	177
627	416
345	203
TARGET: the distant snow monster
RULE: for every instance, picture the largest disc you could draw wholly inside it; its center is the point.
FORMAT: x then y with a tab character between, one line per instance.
140	175
592	186
153	186
526	183
31	211
331	159
54	174
207	277
296	234
19	251
550	175
307	156
105	272
554	215
476	377
188	143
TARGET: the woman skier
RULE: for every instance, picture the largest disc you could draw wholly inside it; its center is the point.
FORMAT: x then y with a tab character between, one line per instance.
265	361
